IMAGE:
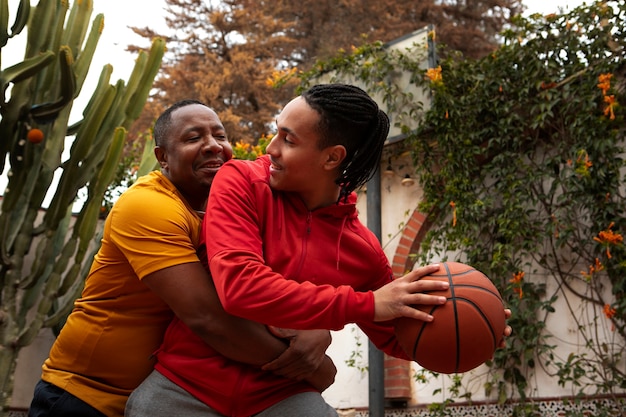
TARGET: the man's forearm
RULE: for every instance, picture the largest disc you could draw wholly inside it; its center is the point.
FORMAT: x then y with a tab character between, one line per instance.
240	340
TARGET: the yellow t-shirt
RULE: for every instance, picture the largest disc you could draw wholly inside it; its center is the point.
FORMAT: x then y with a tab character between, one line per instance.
105	349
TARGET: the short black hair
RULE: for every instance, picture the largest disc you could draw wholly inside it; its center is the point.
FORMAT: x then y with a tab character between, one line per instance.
164	122
350	117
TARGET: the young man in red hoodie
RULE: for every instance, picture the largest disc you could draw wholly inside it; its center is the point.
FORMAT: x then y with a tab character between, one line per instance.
286	248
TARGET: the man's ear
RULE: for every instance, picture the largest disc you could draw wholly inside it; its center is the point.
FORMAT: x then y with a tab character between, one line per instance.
161	156
335	156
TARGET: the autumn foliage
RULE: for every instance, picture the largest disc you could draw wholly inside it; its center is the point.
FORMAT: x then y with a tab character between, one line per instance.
237	55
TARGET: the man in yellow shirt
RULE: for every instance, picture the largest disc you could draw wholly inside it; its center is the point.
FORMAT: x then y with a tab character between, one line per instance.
146	271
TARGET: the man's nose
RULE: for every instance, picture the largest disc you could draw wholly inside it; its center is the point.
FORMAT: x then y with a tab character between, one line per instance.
212	145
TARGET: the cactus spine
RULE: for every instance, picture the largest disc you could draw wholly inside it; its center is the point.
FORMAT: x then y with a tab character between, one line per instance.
60	244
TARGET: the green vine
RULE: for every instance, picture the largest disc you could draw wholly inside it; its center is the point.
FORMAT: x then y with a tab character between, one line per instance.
520	156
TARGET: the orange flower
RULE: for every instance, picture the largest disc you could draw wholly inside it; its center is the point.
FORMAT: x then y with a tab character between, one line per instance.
604	82
518	277
434	74
592	270
517	281
611	103
547	86
609	312
453	205
608	237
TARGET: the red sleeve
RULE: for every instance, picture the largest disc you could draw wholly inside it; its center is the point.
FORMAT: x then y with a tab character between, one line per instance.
249	288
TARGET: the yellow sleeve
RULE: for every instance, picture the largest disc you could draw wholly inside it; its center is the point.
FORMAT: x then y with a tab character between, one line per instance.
154	230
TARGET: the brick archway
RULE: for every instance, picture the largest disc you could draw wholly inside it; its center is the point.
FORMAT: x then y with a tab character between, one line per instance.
398	371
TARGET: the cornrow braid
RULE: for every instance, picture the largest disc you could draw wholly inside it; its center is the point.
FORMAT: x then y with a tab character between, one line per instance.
350	117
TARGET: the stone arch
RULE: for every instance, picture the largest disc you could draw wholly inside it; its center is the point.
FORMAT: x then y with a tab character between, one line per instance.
398	371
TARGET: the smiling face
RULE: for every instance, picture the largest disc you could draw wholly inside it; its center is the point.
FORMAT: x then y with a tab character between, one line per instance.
195	149
298	164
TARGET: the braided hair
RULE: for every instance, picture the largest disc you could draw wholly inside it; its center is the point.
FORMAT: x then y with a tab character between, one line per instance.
350	117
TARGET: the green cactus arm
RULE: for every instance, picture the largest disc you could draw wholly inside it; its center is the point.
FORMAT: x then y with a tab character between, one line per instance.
29	332
138	99
33	291
68	183
52	157
94	124
73	283
18	176
46	87
113	119
25	69
48	247
101	88
9	131
140	82
76	25
21	18
148	160
4	23
96	109
59	314
138	88
69	279
45	15
83	61
85	226
47	112
62	261
26	181
134	79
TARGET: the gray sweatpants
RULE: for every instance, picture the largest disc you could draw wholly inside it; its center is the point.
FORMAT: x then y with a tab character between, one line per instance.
157	396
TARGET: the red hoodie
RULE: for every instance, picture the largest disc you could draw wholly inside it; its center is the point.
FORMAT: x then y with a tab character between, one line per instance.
275	262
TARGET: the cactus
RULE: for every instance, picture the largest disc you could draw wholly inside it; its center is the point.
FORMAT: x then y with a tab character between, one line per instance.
33	131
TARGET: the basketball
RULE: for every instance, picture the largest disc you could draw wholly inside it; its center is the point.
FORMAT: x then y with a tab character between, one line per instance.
466	330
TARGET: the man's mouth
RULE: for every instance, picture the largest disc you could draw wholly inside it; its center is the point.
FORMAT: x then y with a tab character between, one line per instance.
211	166
274	166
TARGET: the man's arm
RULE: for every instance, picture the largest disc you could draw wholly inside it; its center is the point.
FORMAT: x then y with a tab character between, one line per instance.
190	293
